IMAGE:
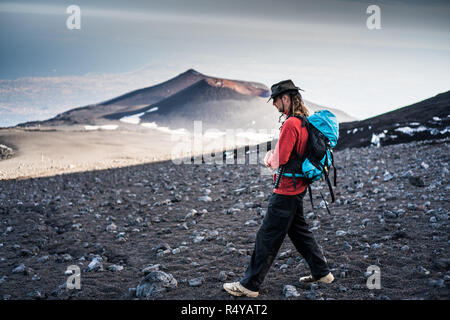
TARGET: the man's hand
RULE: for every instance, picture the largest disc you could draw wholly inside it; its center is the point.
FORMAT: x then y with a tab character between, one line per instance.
268	158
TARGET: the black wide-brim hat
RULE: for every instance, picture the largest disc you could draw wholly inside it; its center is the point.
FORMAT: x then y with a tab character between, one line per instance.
282	87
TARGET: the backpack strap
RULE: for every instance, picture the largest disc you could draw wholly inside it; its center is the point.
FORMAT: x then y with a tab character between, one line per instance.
327	178
334	167
324	201
310	196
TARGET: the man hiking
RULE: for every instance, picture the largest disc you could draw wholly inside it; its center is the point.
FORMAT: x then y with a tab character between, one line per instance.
285	211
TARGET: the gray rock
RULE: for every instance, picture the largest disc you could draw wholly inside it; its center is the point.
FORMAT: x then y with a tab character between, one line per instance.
111	227
436	283
416	181
340	233
422	270
3	279
150	268
191	214
115	268
198	239
20	269
154	284
424	165
95	264
311	295
310	215
404	248
204	199
37	295
43	259
290	291
347	246
387	177
222	276
251	223
196	282
389	214
376	246
342	288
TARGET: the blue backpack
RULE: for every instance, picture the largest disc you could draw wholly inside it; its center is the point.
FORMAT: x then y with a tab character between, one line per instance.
323	134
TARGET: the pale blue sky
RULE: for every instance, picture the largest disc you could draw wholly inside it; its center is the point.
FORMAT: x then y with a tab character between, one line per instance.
324	46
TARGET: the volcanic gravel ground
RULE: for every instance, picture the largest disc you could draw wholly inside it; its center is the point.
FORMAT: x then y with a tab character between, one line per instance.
198	222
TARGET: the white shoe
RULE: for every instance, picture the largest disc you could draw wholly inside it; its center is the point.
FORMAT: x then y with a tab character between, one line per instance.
329	278
237	289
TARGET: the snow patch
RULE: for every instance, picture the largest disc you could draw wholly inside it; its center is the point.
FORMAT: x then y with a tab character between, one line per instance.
153	125
152	110
133	119
410	131
376	139
104	127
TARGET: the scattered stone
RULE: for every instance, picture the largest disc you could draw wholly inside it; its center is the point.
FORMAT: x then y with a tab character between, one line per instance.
37	295
111	227
95	264
20	269
222	276
196	282
342	288
43	259
347	246
251	223
198	239
422	270
340	233
204	199
290	291
416	181
154	284
389	214
424	165
150	268
115	268
436	283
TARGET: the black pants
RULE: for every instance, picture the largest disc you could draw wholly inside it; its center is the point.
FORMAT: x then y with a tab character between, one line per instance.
284	215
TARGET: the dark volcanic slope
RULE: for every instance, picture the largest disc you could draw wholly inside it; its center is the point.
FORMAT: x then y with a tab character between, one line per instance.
200	221
427	119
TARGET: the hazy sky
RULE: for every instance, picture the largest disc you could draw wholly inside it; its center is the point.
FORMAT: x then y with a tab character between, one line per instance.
324	46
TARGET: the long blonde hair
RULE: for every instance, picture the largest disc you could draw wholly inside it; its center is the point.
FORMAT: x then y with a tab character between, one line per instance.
298	108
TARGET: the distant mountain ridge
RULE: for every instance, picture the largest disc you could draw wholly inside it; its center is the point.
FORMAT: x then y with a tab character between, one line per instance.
188	96
424	120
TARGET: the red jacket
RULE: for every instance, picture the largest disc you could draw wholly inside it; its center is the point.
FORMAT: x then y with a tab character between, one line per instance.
292	135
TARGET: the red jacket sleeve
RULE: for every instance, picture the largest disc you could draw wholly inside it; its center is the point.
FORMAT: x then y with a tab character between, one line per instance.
285	144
